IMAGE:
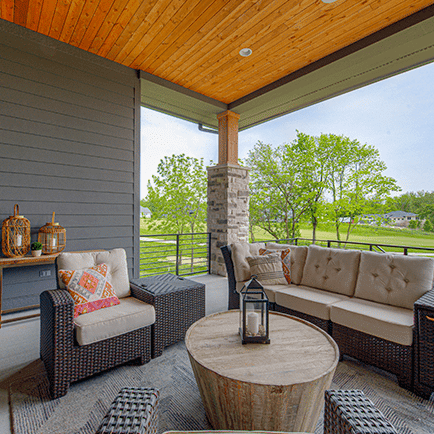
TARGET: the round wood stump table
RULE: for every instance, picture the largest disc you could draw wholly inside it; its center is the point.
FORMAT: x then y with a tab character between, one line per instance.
259	387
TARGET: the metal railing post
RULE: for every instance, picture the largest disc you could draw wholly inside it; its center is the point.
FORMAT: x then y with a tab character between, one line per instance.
177	255
209	252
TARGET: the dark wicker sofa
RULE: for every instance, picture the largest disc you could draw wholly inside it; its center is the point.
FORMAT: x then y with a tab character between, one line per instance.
411	363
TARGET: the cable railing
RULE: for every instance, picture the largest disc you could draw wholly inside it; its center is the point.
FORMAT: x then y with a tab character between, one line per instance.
180	254
373	247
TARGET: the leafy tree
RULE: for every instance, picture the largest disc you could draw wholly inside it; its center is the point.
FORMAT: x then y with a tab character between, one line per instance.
427	226
427	212
148	204
317	171
411	201
177	194
413	224
356	181
279	189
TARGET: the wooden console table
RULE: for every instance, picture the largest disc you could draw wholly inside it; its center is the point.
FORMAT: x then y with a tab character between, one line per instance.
23	261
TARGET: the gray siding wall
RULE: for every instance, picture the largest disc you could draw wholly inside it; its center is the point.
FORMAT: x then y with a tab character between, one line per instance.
69	143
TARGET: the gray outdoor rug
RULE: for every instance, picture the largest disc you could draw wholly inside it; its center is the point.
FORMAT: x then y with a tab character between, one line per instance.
81	410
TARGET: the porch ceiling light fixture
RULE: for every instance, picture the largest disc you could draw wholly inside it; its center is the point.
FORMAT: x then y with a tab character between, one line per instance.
328	1
245	52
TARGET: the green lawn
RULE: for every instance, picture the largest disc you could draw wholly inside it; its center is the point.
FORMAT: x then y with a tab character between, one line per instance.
159	255
365	234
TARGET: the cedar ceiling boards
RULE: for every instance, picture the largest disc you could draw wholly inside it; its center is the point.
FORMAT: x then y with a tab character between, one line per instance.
193	46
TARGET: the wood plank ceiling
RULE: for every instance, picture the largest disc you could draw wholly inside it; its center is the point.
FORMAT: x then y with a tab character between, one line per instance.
196	43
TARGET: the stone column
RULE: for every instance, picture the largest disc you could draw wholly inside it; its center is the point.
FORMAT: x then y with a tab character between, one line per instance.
228	210
228	193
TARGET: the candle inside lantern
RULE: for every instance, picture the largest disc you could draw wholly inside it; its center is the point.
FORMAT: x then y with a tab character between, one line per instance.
253	323
54	241
19	240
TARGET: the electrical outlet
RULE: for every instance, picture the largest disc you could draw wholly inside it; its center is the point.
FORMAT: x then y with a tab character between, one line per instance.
45	273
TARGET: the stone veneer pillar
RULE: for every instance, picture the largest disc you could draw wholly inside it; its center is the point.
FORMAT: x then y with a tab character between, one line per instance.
228	210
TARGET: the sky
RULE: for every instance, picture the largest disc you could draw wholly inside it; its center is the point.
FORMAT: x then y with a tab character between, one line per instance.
396	116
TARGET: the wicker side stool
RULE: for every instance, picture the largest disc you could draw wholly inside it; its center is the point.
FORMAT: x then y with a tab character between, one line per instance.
350	412
134	411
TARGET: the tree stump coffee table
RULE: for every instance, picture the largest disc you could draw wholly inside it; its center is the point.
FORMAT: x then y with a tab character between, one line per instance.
258	387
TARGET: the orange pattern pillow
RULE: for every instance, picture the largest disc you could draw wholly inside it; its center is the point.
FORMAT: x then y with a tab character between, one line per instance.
286	260
90	288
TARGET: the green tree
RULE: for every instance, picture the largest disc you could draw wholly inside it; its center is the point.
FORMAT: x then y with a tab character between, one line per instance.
413	224
427	226
316	170
178	195
356	181
411	201
279	189
427	212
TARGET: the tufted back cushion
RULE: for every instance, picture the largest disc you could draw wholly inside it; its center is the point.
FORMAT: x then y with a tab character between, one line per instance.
334	270
396	280
240	251
297	259
116	260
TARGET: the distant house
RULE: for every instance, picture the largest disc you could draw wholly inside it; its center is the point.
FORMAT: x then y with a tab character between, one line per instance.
400	218
145	212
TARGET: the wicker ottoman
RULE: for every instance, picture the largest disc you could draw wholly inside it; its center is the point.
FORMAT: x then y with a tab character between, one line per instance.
350	412
178	302
134	411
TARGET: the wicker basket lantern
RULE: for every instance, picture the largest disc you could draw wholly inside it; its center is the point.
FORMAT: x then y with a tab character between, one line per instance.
53	237
15	235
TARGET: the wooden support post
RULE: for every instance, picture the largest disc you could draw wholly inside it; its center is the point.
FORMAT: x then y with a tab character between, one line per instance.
228	137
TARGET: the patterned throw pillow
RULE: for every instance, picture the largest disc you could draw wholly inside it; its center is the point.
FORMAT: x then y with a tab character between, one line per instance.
267	269
286	260
90	288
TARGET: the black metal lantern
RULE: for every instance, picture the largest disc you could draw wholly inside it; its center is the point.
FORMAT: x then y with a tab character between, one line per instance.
254	316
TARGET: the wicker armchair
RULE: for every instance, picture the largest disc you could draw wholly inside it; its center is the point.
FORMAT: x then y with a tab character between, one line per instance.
65	360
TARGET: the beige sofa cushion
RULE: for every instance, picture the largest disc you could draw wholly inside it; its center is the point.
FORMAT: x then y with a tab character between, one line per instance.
396	280
240	251
311	301
116	260
334	270
391	323
298	258
131	314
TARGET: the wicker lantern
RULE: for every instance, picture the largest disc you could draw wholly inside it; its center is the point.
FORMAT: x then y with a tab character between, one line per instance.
53	237
254	315
15	235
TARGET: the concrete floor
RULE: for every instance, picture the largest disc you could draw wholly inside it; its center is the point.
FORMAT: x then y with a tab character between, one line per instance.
19	341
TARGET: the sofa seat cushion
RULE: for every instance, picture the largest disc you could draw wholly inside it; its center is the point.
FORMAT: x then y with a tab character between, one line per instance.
130	314
270	290
297	259
396	280
115	259
394	324
311	301
334	270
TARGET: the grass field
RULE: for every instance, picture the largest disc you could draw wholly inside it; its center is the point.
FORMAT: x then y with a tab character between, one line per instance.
362	233
159	254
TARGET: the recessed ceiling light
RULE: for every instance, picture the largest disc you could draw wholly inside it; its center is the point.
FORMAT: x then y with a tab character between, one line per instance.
328	1
245	52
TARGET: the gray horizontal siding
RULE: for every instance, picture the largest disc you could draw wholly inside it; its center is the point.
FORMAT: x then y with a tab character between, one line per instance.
69	143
